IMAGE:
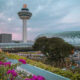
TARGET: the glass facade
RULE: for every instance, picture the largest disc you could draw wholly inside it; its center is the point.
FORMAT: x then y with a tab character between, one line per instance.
15	45
72	37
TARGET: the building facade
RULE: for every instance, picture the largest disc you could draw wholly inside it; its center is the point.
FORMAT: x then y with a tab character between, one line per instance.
72	37
5	38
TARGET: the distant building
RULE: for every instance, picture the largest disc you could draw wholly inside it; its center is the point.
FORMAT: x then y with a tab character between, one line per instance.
5	38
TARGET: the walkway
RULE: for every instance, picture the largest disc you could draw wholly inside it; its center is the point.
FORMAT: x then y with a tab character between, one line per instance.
38	71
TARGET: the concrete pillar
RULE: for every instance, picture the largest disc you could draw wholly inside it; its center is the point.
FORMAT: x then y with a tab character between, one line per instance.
24	30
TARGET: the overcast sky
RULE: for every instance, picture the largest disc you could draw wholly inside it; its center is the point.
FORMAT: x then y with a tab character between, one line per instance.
49	16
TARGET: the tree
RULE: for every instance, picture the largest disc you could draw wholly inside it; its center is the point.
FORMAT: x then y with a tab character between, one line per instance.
55	49
40	43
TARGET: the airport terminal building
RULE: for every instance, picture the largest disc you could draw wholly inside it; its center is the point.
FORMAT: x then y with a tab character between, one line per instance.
6	42
72	37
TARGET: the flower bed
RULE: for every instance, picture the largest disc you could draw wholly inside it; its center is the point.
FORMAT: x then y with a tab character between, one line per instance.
65	73
8	70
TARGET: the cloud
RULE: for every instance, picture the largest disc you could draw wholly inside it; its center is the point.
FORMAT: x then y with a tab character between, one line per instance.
29	29
9	19
16	36
73	17
38	10
49	16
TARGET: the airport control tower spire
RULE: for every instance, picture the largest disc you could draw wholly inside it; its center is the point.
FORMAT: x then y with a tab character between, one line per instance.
24	14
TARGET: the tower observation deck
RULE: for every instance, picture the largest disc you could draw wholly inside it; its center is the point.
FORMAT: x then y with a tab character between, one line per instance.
24	14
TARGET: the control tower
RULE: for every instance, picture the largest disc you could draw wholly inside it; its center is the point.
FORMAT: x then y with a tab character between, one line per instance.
24	14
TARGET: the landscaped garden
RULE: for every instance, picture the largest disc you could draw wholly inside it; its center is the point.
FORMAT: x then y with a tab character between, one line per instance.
14	67
8	70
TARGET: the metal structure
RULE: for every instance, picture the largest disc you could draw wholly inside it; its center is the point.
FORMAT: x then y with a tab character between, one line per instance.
24	14
72	37
15	45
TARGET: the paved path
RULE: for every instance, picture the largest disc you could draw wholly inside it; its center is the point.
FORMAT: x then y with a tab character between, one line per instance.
38	71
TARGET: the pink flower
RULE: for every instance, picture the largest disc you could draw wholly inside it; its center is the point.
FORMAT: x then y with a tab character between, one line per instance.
9	71
13	72
41	78
22	61
7	64
37	78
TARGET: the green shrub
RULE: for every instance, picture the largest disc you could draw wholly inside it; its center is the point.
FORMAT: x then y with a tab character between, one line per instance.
65	73
76	76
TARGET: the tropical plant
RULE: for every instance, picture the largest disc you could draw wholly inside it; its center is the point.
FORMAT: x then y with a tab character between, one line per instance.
55	49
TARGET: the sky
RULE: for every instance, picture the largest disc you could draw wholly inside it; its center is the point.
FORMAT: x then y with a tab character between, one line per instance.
48	16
